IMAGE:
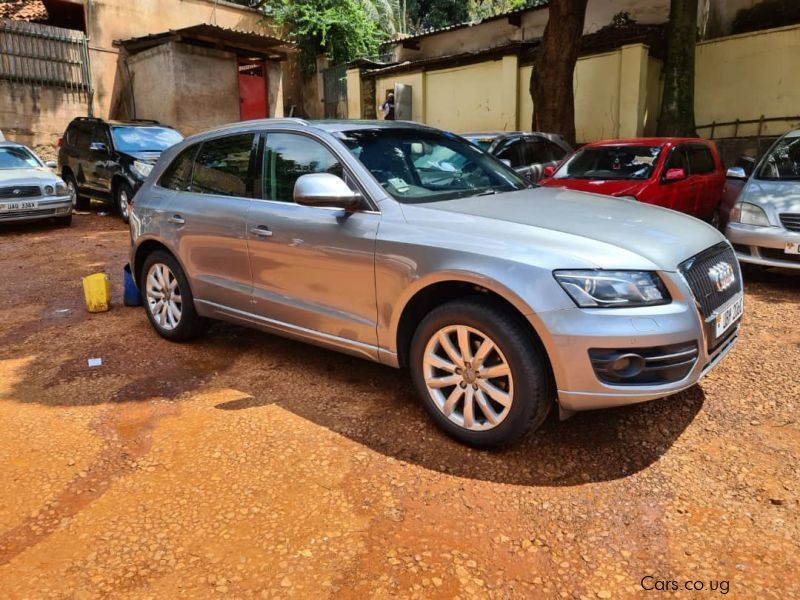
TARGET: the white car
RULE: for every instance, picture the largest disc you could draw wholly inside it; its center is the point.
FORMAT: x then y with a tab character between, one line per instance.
765	223
29	189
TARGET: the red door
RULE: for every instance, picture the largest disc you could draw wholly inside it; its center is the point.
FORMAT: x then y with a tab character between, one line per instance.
252	90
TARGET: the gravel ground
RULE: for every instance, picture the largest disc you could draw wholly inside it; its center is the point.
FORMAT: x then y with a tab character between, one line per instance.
245	465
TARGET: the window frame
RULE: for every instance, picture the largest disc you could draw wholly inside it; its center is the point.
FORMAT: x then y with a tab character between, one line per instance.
369	207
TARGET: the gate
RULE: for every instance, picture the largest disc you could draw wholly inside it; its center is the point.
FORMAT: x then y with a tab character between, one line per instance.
334	82
43	55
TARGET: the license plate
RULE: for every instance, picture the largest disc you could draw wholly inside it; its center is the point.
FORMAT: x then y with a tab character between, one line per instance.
792	248
729	316
20	205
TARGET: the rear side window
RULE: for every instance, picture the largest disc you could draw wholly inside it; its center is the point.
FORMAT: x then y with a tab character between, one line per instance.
513	153
287	157
223	167
700	160
178	175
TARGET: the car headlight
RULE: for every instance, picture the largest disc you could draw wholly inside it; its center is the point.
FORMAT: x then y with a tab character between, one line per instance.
749	214
142	168
62	189
613	289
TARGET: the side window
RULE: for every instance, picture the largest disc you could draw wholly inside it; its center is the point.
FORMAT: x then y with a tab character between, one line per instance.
537	152
287	157
83	135
513	153
99	134
178	175
71	136
556	151
223	167
700	160
677	160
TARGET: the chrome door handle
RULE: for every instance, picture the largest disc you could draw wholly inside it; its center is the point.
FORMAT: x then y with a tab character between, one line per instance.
261	231
176	220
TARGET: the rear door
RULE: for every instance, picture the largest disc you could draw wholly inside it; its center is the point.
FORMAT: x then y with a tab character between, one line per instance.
204	217
709	183
313	268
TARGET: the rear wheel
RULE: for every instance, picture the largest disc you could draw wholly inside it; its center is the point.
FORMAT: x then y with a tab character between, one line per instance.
168	300
122	197
480	373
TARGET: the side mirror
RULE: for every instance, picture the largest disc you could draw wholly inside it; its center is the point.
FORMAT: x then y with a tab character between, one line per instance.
674	175
51	164
325	190
736	173
549	170
98	147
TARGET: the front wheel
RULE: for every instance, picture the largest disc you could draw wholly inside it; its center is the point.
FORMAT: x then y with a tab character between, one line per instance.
480	373
168	300
122	198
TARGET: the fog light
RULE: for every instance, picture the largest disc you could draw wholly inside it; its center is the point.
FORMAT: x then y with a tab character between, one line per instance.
627	365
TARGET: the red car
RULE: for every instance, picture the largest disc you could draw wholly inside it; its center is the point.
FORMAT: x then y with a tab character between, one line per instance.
684	174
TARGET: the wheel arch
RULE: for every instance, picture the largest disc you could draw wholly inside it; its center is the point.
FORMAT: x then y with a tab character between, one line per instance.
145	249
434	291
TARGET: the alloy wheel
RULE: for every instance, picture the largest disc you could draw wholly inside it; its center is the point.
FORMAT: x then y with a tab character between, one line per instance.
163	296
122	197
468	377
73	193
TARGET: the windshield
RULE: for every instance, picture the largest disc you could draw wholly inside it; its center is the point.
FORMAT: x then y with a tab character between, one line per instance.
783	161
16	157
427	166
610	162
143	139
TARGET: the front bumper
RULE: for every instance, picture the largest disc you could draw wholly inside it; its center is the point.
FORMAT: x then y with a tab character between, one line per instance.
763	245
51	206
569	335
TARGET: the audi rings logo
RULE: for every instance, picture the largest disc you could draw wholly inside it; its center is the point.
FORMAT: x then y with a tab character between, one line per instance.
722	276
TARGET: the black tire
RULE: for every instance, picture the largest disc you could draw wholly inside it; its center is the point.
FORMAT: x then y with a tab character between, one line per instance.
64	221
122	194
532	396
190	325
79	201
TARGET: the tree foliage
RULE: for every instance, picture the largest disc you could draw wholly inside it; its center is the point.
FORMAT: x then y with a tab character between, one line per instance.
432	14
343	30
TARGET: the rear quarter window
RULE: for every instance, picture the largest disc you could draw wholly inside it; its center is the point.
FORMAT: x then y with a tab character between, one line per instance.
178	175
700	160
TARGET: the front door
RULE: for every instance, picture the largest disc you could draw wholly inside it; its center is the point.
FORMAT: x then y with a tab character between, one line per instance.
313	268
252	90
680	195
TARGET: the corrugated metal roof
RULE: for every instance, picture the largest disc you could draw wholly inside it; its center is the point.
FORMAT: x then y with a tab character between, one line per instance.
204	32
23	10
504	15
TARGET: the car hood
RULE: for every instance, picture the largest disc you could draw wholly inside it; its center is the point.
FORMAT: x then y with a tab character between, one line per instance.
34	176
780	196
598	231
610	187
150	156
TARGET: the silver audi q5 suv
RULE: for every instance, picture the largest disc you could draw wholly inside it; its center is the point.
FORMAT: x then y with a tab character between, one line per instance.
406	245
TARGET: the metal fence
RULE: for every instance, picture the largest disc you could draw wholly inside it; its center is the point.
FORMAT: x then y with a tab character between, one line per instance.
334	82
36	54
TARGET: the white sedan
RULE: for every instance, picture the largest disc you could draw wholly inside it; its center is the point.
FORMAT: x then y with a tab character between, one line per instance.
29	189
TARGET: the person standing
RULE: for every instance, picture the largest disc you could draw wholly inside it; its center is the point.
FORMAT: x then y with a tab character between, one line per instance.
388	107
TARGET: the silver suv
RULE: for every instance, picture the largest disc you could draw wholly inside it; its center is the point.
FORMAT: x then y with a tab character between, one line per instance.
406	245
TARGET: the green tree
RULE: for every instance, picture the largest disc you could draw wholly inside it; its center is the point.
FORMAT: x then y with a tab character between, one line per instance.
433	14
343	30
677	106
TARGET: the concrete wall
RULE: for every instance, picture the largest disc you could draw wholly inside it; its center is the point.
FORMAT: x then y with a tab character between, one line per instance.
747	76
36	115
171	85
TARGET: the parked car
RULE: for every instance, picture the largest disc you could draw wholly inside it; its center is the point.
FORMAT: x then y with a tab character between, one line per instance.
527	153
29	190
109	160
764	225
352	236
684	174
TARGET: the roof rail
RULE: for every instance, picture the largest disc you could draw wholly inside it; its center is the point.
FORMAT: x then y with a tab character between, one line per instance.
152	121
287	121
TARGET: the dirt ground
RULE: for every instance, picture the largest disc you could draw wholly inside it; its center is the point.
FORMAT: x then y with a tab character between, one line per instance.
245	465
